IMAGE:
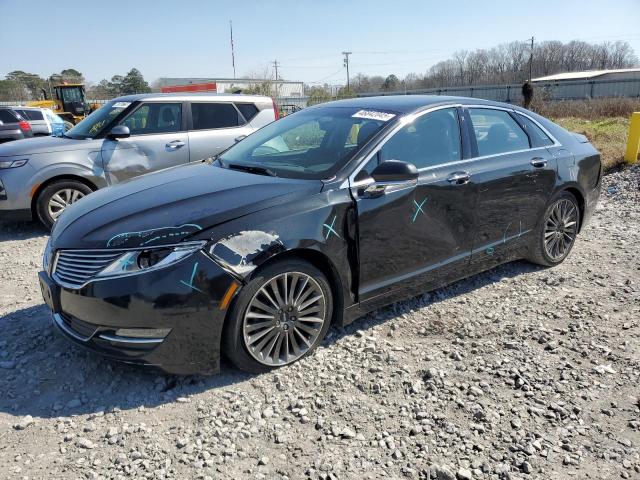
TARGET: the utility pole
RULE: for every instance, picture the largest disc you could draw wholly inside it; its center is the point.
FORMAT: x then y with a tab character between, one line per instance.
233	55
346	64
530	60
275	66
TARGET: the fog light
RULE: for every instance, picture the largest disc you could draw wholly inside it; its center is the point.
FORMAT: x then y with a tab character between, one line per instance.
143	332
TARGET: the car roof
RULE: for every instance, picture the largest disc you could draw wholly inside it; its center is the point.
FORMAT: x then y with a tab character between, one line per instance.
194	96
409	103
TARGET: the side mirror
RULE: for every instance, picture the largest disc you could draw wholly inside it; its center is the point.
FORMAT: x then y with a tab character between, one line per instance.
395	171
119	131
388	174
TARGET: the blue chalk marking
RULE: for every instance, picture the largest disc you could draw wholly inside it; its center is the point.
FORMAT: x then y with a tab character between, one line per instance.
330	229
418	209
490	251
126	263
193	276
141	233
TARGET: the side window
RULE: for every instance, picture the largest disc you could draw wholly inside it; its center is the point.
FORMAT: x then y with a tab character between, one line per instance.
155	118
496	132
248	110
214	115
7	117
536	134
429	140
31	114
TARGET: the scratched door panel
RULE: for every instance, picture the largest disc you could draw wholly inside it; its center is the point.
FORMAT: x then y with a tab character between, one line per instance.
509	201
418	237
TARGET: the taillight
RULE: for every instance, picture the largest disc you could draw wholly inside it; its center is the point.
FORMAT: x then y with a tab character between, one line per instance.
24	126
275	109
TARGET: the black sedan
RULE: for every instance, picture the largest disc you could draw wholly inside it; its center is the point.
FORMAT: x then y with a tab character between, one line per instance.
313	220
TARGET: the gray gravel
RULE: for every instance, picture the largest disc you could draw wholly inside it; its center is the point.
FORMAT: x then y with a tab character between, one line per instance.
520	372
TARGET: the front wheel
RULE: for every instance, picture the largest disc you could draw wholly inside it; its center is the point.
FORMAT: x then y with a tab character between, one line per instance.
280	316
556	233
56	197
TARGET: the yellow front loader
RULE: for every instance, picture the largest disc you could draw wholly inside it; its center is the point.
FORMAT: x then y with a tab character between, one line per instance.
66	100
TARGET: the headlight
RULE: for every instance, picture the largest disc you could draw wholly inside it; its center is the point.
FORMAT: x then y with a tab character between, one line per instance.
13	163
149	259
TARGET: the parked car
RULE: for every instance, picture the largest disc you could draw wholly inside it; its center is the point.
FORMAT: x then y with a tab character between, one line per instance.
302	225
128	136
13	126
43	121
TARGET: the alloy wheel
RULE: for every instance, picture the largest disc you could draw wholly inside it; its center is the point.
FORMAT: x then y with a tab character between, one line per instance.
560	229
284	318
61	200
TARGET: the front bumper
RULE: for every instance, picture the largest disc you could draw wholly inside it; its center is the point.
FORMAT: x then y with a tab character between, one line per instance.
187	314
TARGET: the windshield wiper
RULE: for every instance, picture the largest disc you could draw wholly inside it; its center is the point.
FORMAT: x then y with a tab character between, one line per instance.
251	169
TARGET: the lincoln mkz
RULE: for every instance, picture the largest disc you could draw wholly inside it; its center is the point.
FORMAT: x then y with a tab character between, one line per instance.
312	221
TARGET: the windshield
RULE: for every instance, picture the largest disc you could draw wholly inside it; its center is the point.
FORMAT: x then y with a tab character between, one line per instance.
72	94
91	126
310	144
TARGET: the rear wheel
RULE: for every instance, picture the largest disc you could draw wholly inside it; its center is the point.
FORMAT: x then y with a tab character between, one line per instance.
279	317
56	197
556	233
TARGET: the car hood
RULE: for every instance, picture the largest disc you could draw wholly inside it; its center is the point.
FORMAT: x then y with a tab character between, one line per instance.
36	145
170	205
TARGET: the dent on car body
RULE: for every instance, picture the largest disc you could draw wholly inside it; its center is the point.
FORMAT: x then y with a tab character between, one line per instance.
238	252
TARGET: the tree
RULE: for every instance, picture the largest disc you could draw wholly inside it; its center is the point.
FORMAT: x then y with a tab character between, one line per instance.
317	95
391	83
134	82
31	82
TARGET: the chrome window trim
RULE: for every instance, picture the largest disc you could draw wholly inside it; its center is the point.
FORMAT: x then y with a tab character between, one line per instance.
350	181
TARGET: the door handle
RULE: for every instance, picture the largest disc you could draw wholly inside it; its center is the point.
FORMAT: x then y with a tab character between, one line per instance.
459	178
175	144
538	162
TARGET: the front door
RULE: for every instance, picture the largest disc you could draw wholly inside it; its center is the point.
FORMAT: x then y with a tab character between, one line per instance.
515	175
158	140
417	236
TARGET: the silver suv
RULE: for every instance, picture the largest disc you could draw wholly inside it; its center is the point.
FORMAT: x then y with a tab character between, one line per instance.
128	136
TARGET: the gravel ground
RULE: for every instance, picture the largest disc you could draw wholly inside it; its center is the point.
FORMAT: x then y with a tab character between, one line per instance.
520	372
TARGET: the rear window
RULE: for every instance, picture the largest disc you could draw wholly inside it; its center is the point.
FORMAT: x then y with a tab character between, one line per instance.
248	110
214	115
537	135
7	116
31	114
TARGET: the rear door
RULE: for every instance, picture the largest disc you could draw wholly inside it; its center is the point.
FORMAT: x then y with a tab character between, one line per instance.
512	174
214	127
158	140
415	236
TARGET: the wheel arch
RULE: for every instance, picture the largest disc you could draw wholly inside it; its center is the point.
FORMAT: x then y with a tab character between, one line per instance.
39	188
323	263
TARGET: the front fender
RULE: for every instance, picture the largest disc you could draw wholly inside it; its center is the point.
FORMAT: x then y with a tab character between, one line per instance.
323	223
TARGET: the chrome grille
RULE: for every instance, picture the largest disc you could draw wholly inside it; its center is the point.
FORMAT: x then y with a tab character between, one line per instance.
74	268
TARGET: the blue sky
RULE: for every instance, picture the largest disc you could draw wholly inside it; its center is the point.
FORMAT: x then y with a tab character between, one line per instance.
190	38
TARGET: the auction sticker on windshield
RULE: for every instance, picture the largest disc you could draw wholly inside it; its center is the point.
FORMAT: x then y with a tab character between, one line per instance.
374	115
121	105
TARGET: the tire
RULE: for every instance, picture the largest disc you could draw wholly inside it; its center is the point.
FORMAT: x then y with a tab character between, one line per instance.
244	333
68	190
541	252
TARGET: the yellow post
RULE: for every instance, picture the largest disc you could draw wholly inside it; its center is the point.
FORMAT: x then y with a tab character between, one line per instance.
633	142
